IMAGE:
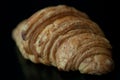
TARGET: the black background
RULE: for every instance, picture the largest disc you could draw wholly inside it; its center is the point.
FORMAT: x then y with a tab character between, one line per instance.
14	11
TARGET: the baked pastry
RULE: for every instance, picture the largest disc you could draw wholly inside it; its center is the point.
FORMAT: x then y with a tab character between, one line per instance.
66	38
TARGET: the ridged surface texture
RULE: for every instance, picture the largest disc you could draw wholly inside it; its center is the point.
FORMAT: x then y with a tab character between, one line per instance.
66	38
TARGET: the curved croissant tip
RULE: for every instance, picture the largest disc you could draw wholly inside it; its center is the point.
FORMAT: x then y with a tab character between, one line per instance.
99	64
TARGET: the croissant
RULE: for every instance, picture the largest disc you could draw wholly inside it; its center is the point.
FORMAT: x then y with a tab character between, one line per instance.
65	38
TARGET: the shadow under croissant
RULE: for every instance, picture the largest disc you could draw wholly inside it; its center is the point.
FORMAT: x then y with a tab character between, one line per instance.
33	71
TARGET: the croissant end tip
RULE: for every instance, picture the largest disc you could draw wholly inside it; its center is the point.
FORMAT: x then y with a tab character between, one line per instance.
97	64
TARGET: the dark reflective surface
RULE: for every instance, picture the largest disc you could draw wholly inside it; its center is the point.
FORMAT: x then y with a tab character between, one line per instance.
14	67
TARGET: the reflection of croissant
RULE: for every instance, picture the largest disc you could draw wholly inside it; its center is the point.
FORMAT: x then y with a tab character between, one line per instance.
65	38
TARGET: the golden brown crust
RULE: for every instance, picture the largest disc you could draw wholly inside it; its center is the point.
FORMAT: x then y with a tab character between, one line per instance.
65	38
